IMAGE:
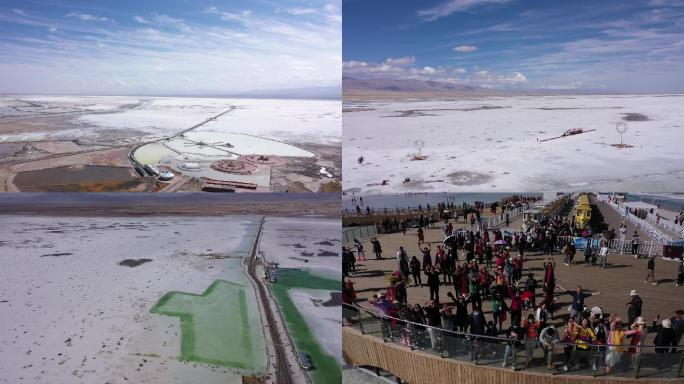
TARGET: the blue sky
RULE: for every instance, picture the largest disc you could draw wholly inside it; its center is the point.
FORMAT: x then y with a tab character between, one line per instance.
185	47
627	46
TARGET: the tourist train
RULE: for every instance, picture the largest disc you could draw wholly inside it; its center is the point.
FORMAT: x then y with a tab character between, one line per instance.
582	212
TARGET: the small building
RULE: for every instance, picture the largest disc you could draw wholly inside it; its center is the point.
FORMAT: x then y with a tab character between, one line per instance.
165	176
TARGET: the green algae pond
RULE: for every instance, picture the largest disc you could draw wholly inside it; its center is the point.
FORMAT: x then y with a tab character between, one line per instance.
326	368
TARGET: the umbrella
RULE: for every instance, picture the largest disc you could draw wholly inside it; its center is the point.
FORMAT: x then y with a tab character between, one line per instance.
526	295
499	242
450	240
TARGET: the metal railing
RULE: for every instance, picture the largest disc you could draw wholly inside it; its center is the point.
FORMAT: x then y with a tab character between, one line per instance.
640	361
391	211
649	225
500	218
351	233
616	246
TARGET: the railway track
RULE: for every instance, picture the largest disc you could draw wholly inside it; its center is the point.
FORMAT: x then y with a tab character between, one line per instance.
282	367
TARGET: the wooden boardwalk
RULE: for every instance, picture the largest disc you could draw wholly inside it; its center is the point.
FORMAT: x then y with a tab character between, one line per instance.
615	282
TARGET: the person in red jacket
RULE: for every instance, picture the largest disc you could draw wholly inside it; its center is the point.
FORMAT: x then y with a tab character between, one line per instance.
532	328
516	308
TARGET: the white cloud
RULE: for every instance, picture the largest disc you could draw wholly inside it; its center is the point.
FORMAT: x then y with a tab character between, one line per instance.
151	56
404	68
20	12
666	3
236	16
141	20
85	16
453	6
301	11
465	48
406	60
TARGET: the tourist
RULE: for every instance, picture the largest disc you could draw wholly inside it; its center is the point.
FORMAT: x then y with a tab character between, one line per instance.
498	310
400	253
476	326
569	341
514	336
635	245
531	286
448	319
400	293
348	262
680	274
549	277
634	306
377	248
531	327
489	254
637	337
414	265
443	262
650	275
516	308
461	305
601	331
615	342
588	252
678	324
490	342
578	296
404	268
433	282
569	252
584	337
548	338
541	315
360	254
348	292
421	236
434	320
603	255
427	257
666	336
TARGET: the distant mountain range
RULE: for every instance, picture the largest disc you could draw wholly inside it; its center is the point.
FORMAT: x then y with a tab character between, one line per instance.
333	93
408	85
412	88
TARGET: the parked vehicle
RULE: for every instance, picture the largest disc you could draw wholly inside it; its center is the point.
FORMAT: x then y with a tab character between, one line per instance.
304	360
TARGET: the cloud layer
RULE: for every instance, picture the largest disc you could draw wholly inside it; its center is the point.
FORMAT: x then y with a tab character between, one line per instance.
611	45
207	50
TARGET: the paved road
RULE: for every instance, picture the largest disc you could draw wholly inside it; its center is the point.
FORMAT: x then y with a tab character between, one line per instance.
283	371
613	219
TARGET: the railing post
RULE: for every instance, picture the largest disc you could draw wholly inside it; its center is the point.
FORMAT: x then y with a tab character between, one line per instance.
363	331
681	365
637	364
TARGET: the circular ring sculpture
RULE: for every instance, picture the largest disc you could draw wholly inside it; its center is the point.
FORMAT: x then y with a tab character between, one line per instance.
239	167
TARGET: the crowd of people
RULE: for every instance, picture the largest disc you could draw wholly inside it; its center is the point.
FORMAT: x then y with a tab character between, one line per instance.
484	276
